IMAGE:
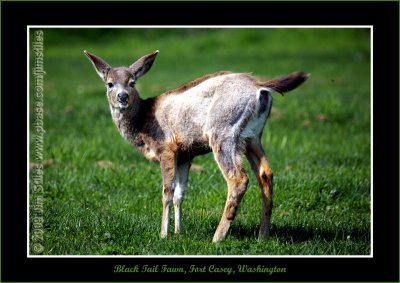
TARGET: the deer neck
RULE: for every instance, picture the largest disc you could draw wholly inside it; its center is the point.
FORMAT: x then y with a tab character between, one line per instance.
131	122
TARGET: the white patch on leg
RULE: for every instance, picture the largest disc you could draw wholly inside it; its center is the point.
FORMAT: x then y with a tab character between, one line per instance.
179	192
165	222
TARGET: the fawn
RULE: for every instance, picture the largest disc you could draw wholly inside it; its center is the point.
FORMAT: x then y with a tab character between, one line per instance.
223	112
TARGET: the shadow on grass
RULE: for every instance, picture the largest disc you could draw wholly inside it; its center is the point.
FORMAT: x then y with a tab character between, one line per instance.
298	234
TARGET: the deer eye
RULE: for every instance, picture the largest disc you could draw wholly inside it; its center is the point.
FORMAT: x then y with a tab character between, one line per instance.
110	85
132	84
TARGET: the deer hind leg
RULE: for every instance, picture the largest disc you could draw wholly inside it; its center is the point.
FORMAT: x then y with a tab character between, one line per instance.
260	166
182	173
231	164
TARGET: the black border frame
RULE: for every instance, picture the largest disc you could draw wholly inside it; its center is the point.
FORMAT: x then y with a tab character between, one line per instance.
383	16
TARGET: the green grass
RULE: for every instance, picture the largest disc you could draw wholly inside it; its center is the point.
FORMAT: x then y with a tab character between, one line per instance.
317	140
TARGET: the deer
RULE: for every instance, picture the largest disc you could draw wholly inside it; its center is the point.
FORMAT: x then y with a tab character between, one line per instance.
223	113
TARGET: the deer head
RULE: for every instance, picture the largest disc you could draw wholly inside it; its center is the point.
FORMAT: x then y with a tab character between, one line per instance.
120	82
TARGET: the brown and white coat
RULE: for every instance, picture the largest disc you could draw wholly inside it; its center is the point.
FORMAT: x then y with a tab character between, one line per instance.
223	112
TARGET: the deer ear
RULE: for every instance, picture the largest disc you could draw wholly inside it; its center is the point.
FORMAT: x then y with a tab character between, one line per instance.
143	65
101	66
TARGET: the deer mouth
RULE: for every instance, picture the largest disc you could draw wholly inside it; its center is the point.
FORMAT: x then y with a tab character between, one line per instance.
123	104
119	107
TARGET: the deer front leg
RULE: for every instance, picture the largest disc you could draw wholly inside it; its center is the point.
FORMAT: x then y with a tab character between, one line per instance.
182	173
168	165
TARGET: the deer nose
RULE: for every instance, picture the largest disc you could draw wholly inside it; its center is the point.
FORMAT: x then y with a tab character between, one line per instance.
122	97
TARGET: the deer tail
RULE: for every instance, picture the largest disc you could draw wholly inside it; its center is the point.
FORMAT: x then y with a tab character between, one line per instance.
286	83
